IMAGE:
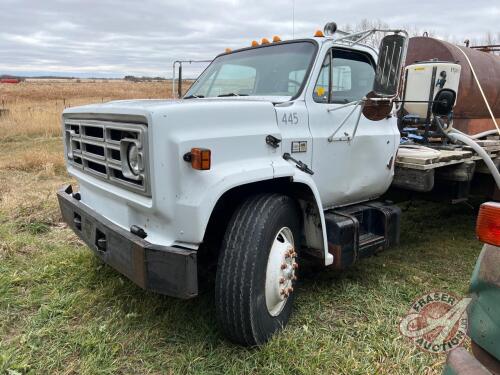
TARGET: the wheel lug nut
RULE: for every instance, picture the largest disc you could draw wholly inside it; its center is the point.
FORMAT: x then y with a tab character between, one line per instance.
290	290
283	266
282	291
282	280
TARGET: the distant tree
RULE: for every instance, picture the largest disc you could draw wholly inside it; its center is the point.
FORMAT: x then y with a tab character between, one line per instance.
488	38
131	78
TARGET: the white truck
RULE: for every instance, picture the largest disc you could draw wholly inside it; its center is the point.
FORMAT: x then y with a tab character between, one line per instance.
270	158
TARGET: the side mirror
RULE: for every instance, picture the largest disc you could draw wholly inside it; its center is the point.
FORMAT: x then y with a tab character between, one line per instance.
392	54
444	101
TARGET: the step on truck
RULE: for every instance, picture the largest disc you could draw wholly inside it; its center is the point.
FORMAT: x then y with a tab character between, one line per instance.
277	153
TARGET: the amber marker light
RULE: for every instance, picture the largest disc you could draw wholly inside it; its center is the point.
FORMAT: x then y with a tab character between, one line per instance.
228	50
200	158
319	34
264	41
255	43
488	223
276	39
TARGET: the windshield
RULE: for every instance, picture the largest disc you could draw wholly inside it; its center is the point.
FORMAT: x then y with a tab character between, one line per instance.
275	70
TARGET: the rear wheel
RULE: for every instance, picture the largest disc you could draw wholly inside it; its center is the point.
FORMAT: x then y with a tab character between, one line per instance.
257	269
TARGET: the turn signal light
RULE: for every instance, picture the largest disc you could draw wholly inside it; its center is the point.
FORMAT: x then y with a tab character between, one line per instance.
276	39
319	34
255	43
264	41
488	223
199	158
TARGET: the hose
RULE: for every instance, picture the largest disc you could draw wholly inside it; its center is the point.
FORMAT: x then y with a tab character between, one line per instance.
456	136
479	135
480	89
483	134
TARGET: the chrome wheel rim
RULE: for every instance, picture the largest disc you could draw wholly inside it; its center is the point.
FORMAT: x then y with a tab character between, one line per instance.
280	271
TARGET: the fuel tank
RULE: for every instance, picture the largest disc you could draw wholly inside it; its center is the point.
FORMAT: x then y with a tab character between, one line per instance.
470	114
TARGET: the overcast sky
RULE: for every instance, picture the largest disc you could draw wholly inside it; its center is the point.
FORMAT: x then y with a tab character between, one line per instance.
144	37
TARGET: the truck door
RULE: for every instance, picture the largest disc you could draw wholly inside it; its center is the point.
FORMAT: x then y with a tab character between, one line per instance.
293	122
346	169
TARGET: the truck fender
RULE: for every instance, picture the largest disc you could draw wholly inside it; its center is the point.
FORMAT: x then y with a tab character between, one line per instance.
306	179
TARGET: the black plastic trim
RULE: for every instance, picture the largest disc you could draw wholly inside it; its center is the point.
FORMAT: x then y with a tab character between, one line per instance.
166	270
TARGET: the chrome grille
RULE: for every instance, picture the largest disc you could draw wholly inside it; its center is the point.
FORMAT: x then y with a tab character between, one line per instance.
100	149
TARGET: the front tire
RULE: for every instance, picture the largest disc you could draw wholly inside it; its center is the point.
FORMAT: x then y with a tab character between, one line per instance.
257	267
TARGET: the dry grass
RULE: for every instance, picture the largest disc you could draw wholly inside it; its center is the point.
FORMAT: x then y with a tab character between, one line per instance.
29	177
33	108
31	160
61	311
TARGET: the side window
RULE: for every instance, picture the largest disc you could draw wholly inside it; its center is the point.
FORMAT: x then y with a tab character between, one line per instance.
341	78
352	77
321	89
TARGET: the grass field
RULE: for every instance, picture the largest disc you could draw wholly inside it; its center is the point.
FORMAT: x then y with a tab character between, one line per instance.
34	107
62	311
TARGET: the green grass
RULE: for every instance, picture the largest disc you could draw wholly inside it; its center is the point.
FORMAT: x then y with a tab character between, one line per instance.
62	311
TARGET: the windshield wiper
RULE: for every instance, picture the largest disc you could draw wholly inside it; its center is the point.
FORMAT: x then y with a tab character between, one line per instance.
194	96
231	94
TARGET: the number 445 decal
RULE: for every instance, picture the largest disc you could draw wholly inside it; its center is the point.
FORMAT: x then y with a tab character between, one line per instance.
291	118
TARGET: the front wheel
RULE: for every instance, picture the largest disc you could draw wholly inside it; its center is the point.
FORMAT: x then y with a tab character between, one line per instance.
257	269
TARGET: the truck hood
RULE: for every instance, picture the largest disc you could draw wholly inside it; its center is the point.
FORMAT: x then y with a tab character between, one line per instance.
234	130
159	104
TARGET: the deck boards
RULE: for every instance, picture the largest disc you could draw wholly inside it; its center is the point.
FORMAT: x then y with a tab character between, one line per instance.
448	157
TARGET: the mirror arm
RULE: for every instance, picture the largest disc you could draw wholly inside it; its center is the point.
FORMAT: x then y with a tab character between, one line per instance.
366	33
417	101
343	106
362	104
344	121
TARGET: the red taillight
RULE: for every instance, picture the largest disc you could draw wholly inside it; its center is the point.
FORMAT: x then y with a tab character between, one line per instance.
488	223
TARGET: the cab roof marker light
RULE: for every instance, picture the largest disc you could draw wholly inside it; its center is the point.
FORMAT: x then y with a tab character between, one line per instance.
488	223
276	39
228	50
319	34
255	43
264	41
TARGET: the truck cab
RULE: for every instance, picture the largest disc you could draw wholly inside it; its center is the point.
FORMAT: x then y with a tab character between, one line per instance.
267	160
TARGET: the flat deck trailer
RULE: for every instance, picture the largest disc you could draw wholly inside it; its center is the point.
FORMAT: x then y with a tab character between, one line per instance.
454	169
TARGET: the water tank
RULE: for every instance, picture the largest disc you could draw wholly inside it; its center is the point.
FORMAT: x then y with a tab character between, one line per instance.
423	80
470	114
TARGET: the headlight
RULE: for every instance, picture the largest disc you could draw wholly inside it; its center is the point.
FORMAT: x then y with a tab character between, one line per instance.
134	159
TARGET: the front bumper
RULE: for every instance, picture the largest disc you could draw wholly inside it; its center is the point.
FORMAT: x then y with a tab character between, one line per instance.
166	270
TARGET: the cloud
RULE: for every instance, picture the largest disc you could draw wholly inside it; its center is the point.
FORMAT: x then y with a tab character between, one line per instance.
118	37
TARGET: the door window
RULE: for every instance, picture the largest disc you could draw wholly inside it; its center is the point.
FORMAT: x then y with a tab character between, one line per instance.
345	76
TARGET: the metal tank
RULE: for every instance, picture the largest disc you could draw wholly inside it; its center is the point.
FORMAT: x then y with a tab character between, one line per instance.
470	114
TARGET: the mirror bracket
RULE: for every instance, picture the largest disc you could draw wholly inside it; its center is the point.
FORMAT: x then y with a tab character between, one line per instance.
347	137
